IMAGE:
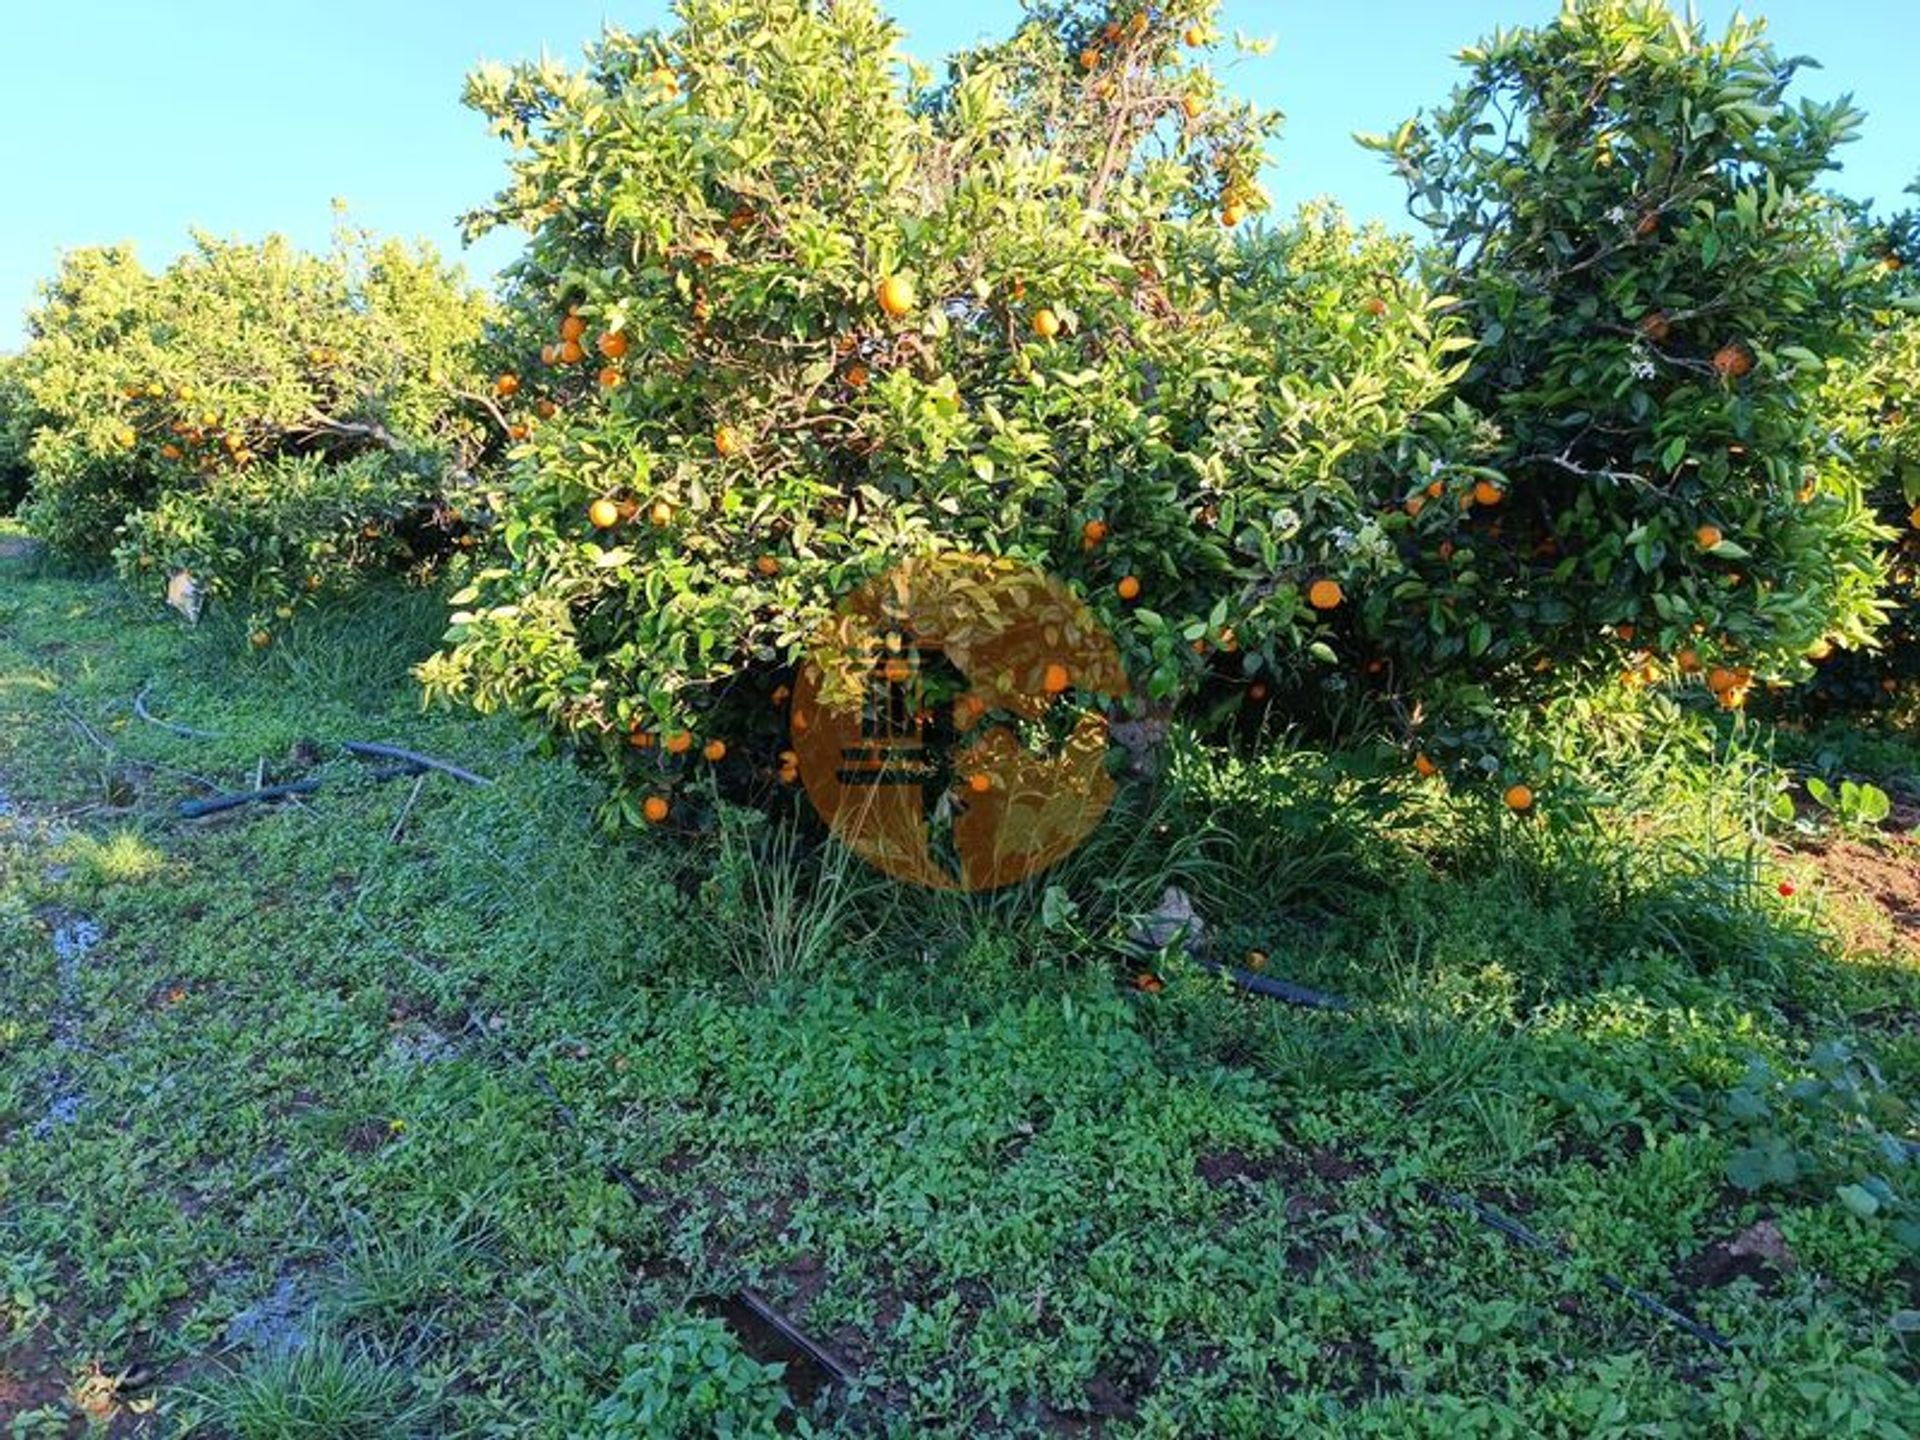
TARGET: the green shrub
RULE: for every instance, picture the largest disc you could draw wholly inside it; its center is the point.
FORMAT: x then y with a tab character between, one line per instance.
1630	213
16	433
798	318
718	211
171	391
291	529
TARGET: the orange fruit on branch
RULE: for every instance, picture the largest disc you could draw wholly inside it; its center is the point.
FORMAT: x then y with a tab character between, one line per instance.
1519	799
1046	324
1732	360
603	514
613	345
1707	537
728	441
655	809
507	386
1325	595
1129	588
896	295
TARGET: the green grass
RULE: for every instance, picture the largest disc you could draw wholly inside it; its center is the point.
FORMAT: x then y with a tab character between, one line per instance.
283	1150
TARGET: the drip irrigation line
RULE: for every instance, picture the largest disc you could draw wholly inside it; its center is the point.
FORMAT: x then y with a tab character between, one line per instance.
1282	990
218	804
1495	1220
1506	1225
413	757
185	731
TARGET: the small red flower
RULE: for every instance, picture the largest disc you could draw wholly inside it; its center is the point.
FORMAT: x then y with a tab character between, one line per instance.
1787	889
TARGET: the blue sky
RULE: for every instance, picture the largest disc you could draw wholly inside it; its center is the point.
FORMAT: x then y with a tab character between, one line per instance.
133	120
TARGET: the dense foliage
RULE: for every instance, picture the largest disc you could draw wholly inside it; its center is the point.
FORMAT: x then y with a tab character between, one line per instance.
14	434
796	319
800	320
1630	213
171	392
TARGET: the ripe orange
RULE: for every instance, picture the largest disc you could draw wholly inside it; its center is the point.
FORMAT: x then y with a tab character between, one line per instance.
1192	106
1689	661
1732	360
1519	799
1425	767
979	784
572	353
1435	490
661	515
1485	492
767	565
613	345
1374	306
857	376
125	438
604	514
1707	536
1148	983
1257	690
609	378
573	327
507	386
546	409
715	751
1256	959
171	452
1655	326
1046	324
728	441
518	432
679	742
549	354
1416	505
1128	588
1820	650
1232	213
1649	223
1089	57
1055	678
1092	533
1914	518
895	294
655	808
1325	595
1195	36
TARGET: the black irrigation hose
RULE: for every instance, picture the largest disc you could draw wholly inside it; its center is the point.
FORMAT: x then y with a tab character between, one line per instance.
1282	990
140	709
756	1305
1511	1228
413	757
1493	1219
217	804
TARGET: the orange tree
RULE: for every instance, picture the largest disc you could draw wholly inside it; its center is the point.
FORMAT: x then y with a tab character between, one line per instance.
1874	406
790	314
14	434
1630	212
271	421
